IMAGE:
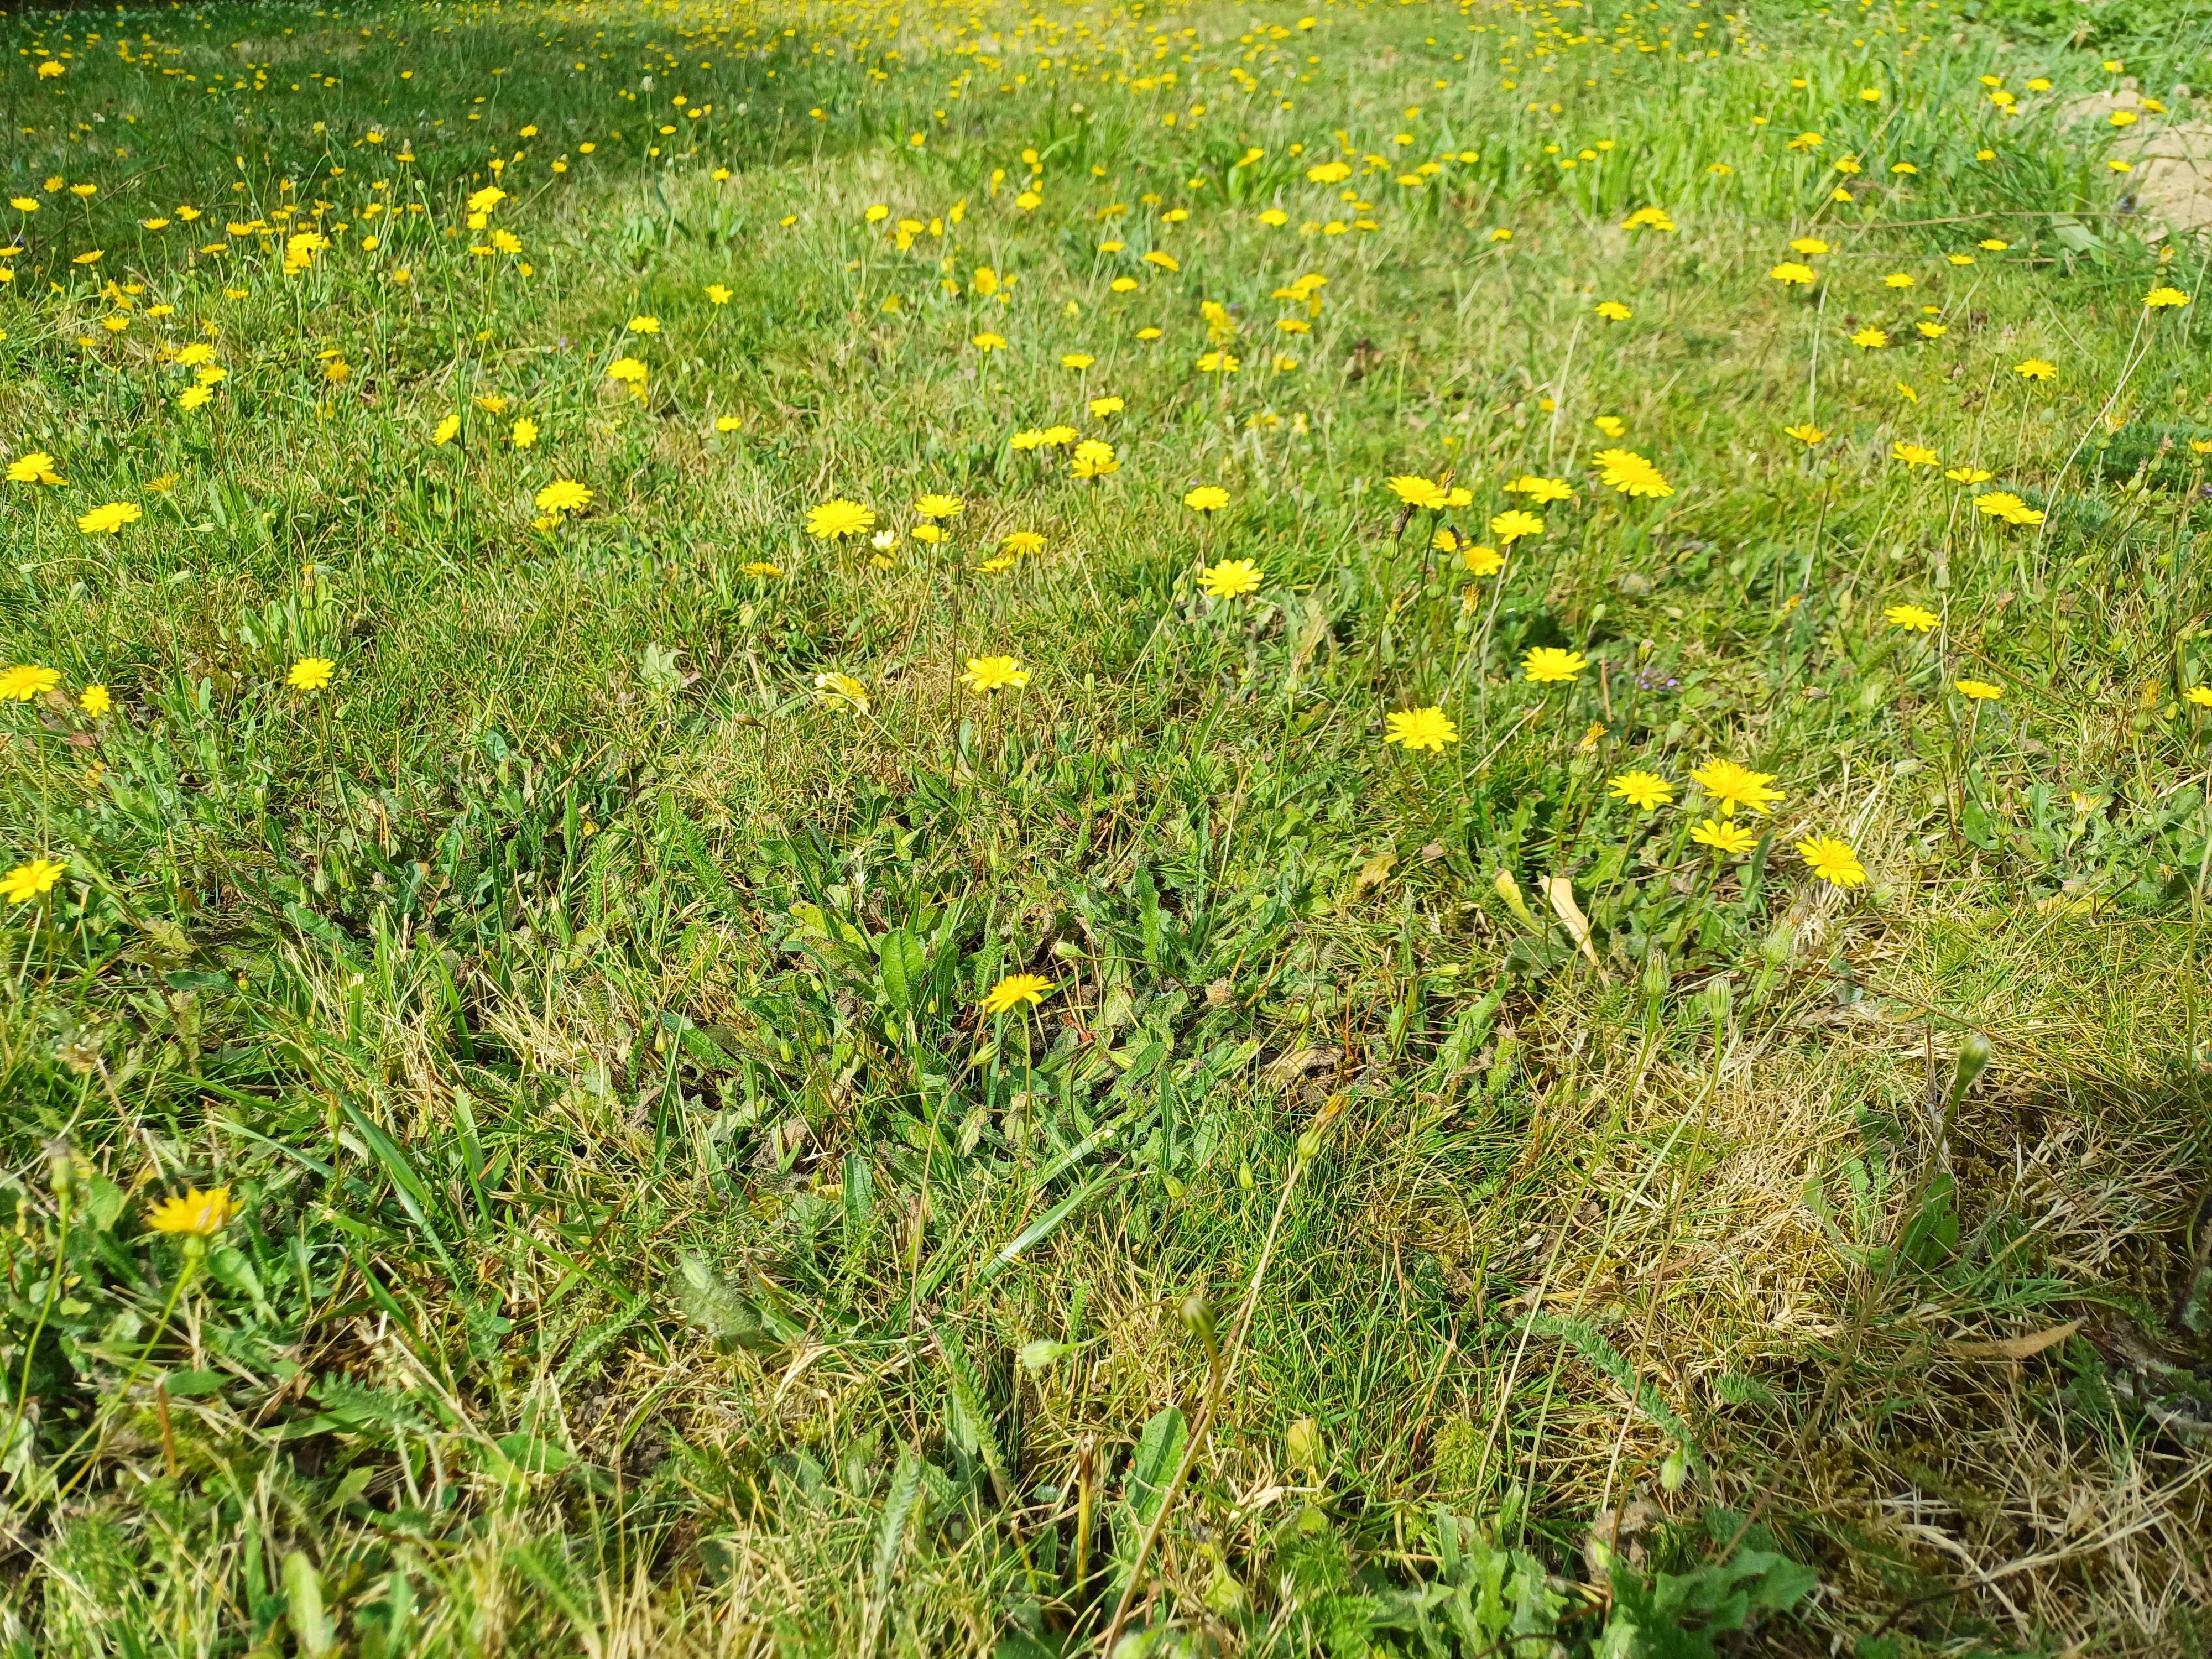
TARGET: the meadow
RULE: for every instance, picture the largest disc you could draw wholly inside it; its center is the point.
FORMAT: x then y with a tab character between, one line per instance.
896	828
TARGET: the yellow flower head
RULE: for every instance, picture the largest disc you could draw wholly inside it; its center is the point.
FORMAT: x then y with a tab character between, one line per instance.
842	691
1912	619
1542	490
106	520
1015	989
1626	470
1417	491
1724	836
563	496
2034	368
2003	504
310	673
1913	454
203	1214
1808	434
940	506
94	701
1645	791
1548	665
1833	861
1206	498
1421	728
1733	786
986	674
27	881
1978	691
837	517
35	468
25	681
1511	526
1233	579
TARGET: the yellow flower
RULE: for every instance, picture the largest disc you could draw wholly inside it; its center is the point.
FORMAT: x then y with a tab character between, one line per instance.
94	701
837	517
1871	339
1645	791
986	674
1417	491
727	422
2003	504
842	689
1541	490
1626	470
1014	989
940	506
761	567
1511	526
645	325
2034	368
1206	498
1613	311
105	521
1808	434
1808	245
1231	578
1724	836
203	1214
2163	298
2201	696
1913	454
26	881
1791	273
443	434
1421	728
35	468
1898	279
1912	619
629	372
987	341
1968	475
1102	407
718	292
1978	691
1832	861
27	681
1548	665
1734	785
1021	541
523	432
1076	360
1483	561
562	495
310	673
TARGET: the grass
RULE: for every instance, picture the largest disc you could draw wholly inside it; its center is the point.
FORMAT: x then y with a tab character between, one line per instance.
1435	1206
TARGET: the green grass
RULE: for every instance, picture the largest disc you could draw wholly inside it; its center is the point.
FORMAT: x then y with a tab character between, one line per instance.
644	1240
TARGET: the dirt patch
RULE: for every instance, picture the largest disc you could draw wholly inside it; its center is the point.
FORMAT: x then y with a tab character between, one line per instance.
2171	159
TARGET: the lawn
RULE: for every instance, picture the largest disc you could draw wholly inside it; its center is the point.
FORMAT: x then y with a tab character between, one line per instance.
1163	830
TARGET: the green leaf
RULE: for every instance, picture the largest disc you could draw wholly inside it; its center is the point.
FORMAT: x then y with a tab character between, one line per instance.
905	1501
529	1452
1160	1452
717	1307
904	963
